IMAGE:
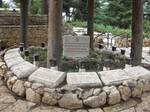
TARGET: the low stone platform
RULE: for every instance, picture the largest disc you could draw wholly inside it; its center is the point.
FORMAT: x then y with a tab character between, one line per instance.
48	77
23	69
116	77
84	79
107	91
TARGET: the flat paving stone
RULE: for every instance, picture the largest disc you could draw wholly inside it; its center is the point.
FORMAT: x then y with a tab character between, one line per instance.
137	72
83	79
120	107
48	77
14	61
23	69
113	77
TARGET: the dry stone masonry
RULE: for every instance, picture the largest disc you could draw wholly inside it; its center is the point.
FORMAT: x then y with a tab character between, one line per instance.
113	91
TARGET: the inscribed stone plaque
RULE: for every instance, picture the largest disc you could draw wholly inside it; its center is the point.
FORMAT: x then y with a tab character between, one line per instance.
137	72
112	77
23	69
83	79
47	77
76	46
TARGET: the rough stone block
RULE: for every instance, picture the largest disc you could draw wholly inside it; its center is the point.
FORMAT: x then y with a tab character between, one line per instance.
83	79
113	76
23	70
48	77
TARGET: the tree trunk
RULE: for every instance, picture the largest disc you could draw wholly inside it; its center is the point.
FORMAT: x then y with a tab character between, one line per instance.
24	21
1	3
54	31
45	7
137	32
90	21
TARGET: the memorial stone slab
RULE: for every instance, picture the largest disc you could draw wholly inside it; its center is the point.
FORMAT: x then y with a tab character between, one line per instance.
76	46
137	72
83	79
11	55
14	61
113	77
48	77
12	50
23	69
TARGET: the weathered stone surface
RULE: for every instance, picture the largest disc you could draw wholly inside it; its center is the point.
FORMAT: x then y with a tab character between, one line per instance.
76	46
137	72
97	91
113	76
143	107
12	50
11	55
129	110
32	96
2	63
37	85
14	61
83	79
49	98
49	109
125	92
20	106
146	85
137	91
121	106
96	101
11	81
114	97
48	77
81	110
86	93
70	101
131	83
23	69
19	88
6	100
27	84
96	110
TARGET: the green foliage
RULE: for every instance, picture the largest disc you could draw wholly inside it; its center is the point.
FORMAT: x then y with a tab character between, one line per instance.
101	28
94	62
37	50
36	7
147	28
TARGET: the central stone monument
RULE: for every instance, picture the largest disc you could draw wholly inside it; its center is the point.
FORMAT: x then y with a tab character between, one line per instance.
76	46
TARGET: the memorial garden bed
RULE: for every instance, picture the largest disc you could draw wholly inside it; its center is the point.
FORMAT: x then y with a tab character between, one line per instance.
94	62
73	90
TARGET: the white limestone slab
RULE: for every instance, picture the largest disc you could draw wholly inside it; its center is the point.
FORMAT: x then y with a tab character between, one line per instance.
23	70
113	77
48	77
12	50
14	61
76	46
83	79
11	55
137	72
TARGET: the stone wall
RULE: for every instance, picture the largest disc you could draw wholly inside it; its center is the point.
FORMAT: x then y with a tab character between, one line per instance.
14	19
73	90
10	28
36	34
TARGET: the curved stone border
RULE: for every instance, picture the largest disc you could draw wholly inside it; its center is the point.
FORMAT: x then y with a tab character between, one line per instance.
74	90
